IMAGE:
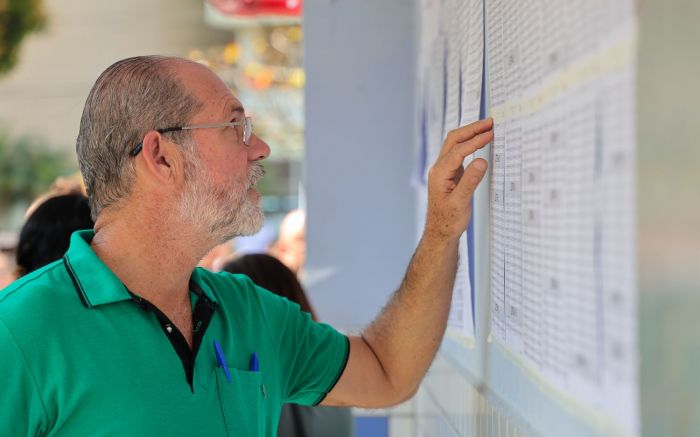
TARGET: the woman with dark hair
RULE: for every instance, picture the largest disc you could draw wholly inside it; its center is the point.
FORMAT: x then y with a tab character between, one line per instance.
46	233
296	420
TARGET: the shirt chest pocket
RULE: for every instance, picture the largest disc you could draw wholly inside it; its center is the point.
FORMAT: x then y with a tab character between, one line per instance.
241	402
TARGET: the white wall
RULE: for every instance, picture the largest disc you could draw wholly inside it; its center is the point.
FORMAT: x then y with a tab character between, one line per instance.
45	93
360	66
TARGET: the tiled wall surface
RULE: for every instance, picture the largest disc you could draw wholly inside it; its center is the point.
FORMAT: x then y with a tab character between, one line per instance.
447	406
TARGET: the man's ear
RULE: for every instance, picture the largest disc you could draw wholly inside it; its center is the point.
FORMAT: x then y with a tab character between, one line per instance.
161	158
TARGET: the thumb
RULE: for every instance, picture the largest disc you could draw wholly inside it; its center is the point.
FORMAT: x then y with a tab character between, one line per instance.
473	174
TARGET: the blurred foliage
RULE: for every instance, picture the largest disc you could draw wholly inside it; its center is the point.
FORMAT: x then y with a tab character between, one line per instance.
263	67
28	168
18	18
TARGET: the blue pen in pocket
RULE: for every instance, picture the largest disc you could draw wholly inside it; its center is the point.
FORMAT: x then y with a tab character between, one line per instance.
221	359
254	363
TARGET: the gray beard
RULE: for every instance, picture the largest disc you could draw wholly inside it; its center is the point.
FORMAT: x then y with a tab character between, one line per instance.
221	214
247	220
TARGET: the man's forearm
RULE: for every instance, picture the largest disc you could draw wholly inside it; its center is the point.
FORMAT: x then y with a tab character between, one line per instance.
406	335
388	361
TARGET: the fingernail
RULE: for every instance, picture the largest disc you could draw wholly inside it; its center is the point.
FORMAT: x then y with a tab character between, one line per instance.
480	165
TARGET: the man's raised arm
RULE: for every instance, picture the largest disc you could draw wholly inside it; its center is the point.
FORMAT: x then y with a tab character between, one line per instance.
388	361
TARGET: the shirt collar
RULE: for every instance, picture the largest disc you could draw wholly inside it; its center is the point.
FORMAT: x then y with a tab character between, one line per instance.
95	282
199	279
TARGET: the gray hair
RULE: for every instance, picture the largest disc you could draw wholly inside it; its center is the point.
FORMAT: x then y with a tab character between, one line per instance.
129	98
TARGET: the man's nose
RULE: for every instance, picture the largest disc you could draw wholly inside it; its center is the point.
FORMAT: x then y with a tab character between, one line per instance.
258	149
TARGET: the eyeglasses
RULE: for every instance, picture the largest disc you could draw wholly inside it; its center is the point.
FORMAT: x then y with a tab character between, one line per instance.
247	124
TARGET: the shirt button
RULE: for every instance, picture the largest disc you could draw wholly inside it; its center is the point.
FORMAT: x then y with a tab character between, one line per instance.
169	328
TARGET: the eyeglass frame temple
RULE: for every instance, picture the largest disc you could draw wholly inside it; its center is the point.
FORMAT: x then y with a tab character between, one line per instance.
137	149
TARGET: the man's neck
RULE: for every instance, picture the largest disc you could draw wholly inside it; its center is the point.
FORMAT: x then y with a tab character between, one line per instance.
153	255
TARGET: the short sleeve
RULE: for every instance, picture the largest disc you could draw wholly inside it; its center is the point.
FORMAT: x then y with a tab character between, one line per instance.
312	355
22	411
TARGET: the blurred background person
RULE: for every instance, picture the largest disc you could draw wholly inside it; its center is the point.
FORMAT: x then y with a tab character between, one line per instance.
290	247
45	236
257	243
7	274
296	420
62	185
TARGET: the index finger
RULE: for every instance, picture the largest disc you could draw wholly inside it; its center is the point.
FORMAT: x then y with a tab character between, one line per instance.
465	133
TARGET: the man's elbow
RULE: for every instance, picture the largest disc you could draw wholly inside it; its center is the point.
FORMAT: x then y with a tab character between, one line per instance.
408	395
399	396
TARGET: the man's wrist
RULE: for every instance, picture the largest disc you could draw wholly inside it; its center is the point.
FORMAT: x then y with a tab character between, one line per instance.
441	237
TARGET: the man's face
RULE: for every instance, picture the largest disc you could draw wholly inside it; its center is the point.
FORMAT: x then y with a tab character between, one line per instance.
220	175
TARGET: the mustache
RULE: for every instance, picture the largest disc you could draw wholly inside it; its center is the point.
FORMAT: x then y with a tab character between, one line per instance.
256	172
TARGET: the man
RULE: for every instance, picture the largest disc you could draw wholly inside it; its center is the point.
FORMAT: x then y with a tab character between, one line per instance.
290	247
124	336
6	270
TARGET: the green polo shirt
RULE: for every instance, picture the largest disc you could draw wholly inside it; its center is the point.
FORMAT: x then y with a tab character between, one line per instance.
80	356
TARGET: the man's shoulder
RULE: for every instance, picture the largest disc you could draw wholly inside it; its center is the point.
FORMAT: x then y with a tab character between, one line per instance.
31	295
31	285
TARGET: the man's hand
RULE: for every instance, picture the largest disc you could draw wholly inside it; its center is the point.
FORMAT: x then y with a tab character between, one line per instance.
389	359
450	185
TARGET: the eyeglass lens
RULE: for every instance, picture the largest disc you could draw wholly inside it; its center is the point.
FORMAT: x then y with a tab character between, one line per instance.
247	130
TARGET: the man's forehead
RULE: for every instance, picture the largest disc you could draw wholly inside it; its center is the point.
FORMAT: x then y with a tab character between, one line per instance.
219	100
209	87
